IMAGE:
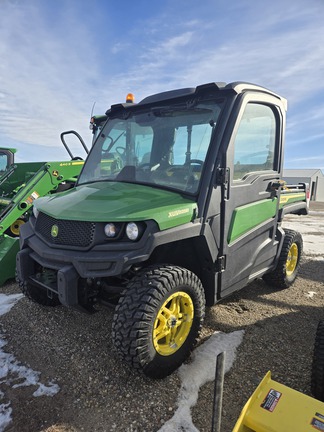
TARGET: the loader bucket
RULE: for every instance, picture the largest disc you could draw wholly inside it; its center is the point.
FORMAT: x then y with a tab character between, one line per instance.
9	247
274	407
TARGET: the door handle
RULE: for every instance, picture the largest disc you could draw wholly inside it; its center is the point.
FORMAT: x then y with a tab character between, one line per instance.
275	185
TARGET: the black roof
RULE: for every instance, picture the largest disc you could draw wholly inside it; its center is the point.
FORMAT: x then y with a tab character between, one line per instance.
214	87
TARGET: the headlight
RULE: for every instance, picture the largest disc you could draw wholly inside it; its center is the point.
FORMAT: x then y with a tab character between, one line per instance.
132	231
110	230
35	212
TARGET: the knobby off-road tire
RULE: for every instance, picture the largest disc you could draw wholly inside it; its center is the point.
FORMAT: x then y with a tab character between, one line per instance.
317	381
38	295
288	265
158	319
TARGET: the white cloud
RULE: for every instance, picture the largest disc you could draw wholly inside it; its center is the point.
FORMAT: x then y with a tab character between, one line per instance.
175	43
119	47
307	159
265	46
45	78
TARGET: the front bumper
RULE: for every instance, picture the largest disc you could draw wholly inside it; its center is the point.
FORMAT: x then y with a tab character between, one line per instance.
68	271
69	267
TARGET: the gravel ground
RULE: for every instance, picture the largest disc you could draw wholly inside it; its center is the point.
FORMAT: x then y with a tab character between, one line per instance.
99	393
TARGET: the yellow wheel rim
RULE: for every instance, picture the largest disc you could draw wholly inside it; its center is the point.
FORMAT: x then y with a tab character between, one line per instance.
292	259
15	227
173	323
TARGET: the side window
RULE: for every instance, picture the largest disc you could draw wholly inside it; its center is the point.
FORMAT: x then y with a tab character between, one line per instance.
3	161
254	146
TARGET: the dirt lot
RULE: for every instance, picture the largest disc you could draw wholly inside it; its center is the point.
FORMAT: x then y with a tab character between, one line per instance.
99	393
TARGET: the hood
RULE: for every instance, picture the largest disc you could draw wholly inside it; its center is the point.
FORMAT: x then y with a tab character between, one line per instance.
119	202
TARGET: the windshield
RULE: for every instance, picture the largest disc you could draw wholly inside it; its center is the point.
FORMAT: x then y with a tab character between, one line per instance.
165	146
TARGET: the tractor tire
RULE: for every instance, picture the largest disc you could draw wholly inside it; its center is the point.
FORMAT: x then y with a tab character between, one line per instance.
38	295
287	268
158	319
13	230
317	381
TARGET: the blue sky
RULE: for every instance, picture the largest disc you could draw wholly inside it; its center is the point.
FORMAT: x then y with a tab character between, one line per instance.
59	57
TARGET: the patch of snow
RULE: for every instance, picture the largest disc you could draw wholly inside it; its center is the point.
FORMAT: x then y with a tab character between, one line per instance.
14	374
5	415
313	244
310	227
8	301
315	258
200	371
316	213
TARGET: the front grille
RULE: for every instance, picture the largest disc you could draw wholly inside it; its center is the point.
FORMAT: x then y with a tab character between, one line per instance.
65	232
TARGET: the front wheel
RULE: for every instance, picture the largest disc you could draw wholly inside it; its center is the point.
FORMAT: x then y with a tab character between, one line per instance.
287	268
158	319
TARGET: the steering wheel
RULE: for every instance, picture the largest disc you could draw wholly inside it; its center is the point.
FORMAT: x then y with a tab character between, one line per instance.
120	150
196	161
111	140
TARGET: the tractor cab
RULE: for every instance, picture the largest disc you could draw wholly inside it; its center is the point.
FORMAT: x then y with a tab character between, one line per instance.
6	158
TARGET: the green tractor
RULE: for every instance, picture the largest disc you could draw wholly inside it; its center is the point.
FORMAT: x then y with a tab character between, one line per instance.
20	185
178	205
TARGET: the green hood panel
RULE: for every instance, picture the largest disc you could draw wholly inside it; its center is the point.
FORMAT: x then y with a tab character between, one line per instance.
120	202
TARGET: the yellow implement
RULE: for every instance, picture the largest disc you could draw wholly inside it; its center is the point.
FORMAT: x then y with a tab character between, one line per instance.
274	407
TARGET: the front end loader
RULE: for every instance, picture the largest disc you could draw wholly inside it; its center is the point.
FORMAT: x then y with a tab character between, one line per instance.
20	185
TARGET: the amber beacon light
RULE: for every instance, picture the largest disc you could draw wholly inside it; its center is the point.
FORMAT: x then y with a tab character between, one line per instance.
130	98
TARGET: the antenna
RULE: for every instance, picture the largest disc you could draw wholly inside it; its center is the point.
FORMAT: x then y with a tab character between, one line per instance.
94	103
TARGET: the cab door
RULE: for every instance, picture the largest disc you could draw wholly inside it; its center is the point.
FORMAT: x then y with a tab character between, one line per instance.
250	202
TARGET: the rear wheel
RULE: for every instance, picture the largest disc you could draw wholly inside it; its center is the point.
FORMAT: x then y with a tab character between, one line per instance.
158	319
288	265
38	295
317	382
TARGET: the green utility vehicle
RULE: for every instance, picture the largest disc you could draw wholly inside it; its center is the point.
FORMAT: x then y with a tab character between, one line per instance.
20	185
179	204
